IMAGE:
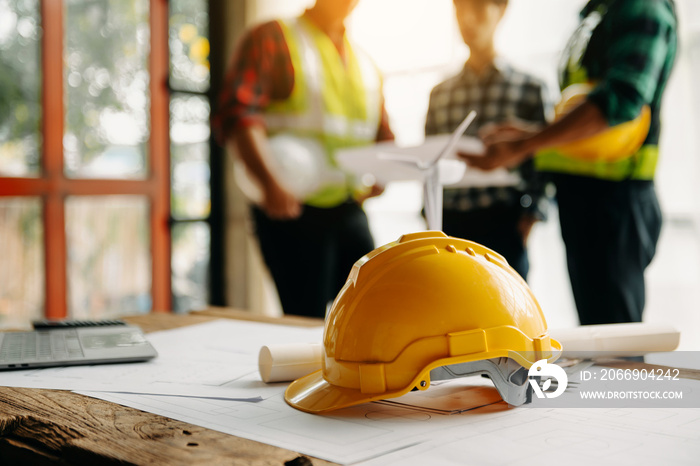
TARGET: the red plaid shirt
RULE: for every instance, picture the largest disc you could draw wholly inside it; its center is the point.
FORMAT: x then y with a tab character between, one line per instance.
261	72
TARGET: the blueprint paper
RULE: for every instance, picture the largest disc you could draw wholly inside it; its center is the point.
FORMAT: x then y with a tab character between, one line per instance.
345	436
450	397
382	433
216	359
408	430
566	436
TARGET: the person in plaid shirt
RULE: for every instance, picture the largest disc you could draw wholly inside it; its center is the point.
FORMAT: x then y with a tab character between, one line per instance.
301	78
609	213
499	217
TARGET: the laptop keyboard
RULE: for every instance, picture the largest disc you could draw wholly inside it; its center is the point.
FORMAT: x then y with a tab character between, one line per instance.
40	346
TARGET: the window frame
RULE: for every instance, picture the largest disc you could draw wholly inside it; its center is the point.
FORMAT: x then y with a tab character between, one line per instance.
52	185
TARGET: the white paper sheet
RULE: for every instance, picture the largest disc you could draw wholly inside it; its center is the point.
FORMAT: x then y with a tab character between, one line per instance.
450	397
408	430
447	425
563	436
616	340
382	434
216	359
387	162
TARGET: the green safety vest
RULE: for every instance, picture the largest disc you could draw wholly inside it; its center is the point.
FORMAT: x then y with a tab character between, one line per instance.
641	165
334	102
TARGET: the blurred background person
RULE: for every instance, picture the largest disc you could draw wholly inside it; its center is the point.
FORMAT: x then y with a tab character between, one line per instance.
609	213
500	217
297	91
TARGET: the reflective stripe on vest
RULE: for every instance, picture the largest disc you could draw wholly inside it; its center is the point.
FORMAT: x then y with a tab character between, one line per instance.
338	104
640	166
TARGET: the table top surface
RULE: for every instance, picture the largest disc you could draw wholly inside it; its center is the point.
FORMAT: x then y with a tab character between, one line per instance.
56	426
60	427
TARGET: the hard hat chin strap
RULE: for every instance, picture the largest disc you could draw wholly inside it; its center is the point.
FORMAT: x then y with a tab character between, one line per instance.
509	377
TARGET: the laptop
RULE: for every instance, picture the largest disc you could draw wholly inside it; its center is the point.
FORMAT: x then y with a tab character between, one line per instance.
74	346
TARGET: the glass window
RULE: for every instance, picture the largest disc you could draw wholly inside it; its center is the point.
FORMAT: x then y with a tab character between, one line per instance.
97	79
22	252
106	83
109	262
189	45
20	94
190	266
190	150
189	137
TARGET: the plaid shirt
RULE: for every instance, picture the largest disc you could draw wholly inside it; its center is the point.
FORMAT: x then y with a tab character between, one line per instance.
500	94
628	48
261	72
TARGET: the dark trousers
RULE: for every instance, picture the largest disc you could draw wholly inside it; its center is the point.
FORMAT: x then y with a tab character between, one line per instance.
310	258
610	230
495	227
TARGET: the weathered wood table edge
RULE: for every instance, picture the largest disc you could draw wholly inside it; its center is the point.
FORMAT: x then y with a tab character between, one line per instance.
60	427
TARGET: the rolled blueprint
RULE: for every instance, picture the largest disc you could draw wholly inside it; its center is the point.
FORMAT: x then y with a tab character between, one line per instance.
616	340
284	363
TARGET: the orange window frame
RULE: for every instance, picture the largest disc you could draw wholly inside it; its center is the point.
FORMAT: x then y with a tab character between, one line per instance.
53	186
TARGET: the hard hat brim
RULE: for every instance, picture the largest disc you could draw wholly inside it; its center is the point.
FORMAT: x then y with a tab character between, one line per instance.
313	394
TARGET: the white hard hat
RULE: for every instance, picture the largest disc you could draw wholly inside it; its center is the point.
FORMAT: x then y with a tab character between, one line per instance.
299	163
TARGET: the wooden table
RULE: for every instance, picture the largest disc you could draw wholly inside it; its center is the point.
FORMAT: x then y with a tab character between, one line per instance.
60	427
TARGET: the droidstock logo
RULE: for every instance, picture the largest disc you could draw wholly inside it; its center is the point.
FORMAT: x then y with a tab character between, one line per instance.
544	372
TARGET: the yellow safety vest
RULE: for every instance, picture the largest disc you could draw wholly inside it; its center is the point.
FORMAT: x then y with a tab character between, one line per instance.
337	103
640	166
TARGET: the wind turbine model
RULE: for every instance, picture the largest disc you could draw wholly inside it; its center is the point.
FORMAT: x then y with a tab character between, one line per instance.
434	178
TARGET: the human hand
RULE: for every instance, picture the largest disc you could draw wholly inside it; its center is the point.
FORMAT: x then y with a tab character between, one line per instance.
371	191
493	132
498	154
280	204
504	146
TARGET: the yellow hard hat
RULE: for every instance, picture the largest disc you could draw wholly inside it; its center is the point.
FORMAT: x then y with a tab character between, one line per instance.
417	304
618	142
